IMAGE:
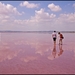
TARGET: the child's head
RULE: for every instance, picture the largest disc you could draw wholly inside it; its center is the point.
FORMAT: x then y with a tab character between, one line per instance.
54	31
58	32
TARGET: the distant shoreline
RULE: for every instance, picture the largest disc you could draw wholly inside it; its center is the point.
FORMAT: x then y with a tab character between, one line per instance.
35	31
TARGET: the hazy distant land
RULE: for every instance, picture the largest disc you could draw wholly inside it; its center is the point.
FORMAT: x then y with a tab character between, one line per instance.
36	31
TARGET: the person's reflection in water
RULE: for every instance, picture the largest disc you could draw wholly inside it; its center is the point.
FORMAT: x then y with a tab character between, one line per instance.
54	51
61	50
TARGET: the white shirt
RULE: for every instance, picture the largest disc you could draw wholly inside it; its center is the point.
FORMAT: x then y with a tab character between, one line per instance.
54	35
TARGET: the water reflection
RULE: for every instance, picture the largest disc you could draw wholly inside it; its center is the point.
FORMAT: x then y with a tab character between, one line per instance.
34	55
29	58
34	45
61	50
39	46
0	37
54	51
7	54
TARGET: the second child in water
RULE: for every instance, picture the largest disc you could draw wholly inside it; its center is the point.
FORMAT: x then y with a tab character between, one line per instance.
60	38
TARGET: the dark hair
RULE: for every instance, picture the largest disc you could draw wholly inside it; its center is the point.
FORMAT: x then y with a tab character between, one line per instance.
58	32
54	31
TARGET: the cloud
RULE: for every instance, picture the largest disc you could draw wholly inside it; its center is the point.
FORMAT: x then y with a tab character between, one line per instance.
8	9
69	18
43	20
42	16
29	5
74	5
7	15
5	19
54	8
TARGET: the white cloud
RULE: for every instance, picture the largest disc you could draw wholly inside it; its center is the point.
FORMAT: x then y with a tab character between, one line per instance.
54	8
20	22
29	5
41	15
7	14
8	9
45	20
41	18
68	17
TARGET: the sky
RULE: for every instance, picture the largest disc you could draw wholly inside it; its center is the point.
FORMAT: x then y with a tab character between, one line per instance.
37	15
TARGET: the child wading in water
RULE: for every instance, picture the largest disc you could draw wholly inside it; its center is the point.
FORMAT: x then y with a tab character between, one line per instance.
54	36
60	38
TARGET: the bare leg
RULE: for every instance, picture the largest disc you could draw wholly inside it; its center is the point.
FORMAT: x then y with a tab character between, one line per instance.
61	50
60	41
54	43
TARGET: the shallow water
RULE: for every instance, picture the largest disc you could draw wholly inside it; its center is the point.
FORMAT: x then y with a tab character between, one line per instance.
34	53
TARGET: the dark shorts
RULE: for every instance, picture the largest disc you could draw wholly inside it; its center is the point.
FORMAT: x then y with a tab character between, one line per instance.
54	39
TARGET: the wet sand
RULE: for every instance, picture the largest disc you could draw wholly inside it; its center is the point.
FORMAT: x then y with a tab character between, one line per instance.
34	53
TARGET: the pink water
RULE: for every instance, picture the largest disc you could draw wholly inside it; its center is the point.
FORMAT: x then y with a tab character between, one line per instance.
32	53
